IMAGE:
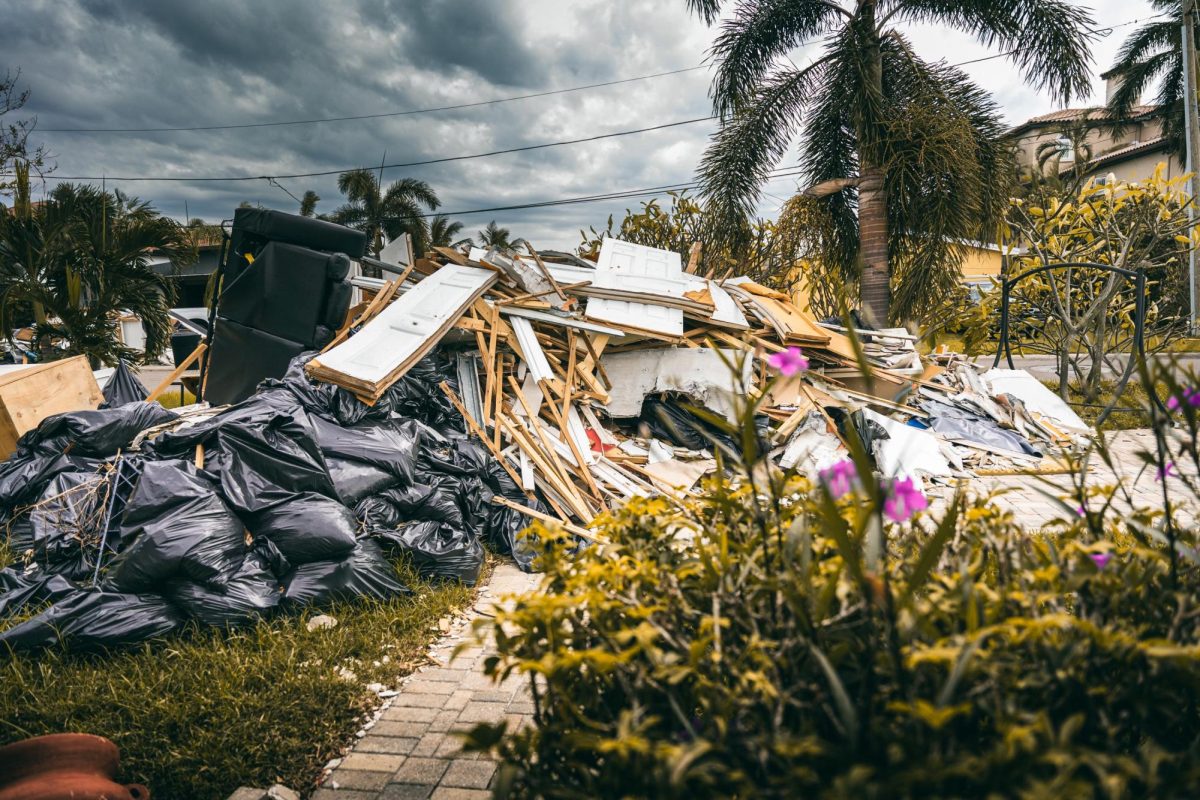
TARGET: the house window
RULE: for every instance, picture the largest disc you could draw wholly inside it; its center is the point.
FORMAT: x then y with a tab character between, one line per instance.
1066	149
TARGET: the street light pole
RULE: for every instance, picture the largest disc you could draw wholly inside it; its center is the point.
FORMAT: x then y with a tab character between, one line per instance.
1192	132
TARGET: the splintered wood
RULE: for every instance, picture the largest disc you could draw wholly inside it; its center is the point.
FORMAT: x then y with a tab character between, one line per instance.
532	334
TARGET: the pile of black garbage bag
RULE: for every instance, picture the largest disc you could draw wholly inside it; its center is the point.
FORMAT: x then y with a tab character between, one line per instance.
301	494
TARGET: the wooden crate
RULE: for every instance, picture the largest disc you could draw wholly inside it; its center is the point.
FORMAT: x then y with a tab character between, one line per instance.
31	392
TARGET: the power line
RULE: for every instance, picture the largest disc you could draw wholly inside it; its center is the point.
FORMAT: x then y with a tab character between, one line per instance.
618	195
443	160
404	113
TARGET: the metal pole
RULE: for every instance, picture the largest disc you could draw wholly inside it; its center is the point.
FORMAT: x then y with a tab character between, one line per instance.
1192	129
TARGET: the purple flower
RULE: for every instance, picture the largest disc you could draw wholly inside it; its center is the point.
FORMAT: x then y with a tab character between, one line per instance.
839	478
789	361
1188	395
1100	559
903	500
1165	472
1081	511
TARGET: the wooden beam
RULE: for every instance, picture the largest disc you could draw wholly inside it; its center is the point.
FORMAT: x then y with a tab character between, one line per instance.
175	373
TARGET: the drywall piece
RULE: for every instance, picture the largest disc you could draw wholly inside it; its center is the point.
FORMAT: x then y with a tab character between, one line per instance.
698	372
407	329
908	452
557	319
812	448
678	477
1036	397
633	268
725	308
398	251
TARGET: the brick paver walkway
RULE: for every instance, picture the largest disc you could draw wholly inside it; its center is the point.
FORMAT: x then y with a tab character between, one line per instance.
410	750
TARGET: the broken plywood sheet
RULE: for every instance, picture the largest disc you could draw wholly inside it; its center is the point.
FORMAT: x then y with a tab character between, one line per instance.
678	477
725	310
698	372
402	333
646	270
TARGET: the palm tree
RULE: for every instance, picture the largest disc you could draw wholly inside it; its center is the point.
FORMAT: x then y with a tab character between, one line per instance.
442	232
495	236
384	215
913	146
78	258
308	203
1153	53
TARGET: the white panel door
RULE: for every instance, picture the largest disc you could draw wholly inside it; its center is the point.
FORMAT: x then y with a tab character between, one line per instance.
647	270
404	327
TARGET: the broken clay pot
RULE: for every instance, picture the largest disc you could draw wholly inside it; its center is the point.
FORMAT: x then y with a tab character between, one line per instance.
64	766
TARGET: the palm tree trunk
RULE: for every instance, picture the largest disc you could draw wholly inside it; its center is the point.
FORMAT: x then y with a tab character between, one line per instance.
874	286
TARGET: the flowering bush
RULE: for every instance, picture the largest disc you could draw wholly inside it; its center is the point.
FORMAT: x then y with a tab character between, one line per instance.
779	638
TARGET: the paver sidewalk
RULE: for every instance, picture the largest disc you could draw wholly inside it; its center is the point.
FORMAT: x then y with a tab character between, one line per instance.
411	752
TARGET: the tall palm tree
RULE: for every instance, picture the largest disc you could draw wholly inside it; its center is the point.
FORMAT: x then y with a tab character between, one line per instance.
308	203
913	146
445	233
80	257
495	236
385	214
1153	54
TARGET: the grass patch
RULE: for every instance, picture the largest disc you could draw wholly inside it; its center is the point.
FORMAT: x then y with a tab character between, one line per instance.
1134	396
170	398
199	714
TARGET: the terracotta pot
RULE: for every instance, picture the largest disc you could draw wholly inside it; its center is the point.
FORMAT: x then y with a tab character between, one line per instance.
64	766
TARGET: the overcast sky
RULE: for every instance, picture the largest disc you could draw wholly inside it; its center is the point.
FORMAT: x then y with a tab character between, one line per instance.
156	63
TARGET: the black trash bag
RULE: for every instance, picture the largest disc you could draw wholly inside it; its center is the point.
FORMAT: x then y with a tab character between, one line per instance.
94	619
262	451
436	501
252	592
309	527
68	524
19	531
670	421
325	400
100	433
24	477
417	394
868	432
175	525
123	387
505	525
366	572
437	550
377	512
391	446
19	591
354	480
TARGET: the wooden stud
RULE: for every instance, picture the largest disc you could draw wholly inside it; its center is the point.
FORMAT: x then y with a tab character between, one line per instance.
175	373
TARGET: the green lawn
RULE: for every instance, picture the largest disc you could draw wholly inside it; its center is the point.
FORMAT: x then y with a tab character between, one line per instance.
199	714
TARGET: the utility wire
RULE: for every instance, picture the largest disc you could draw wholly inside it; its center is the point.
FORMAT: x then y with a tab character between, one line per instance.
403	113
443	160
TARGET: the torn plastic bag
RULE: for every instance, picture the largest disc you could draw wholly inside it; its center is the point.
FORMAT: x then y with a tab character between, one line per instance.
354	480
68	523
308	527
955	422
670	421
391	446
436	501
93	619
123	387
366	572
24	477
19	591
99	433
324	399
437	550
417	395
176	525
252	592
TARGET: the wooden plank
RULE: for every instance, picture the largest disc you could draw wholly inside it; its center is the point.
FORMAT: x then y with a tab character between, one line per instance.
479	433
693	259
179	370
29	395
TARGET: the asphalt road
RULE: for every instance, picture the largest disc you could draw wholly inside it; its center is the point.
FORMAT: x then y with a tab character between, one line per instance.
1044	367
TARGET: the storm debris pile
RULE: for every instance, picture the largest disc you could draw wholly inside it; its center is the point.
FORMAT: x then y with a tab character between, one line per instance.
466	395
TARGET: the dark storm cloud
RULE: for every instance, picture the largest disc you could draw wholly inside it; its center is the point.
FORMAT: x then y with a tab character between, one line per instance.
149	63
